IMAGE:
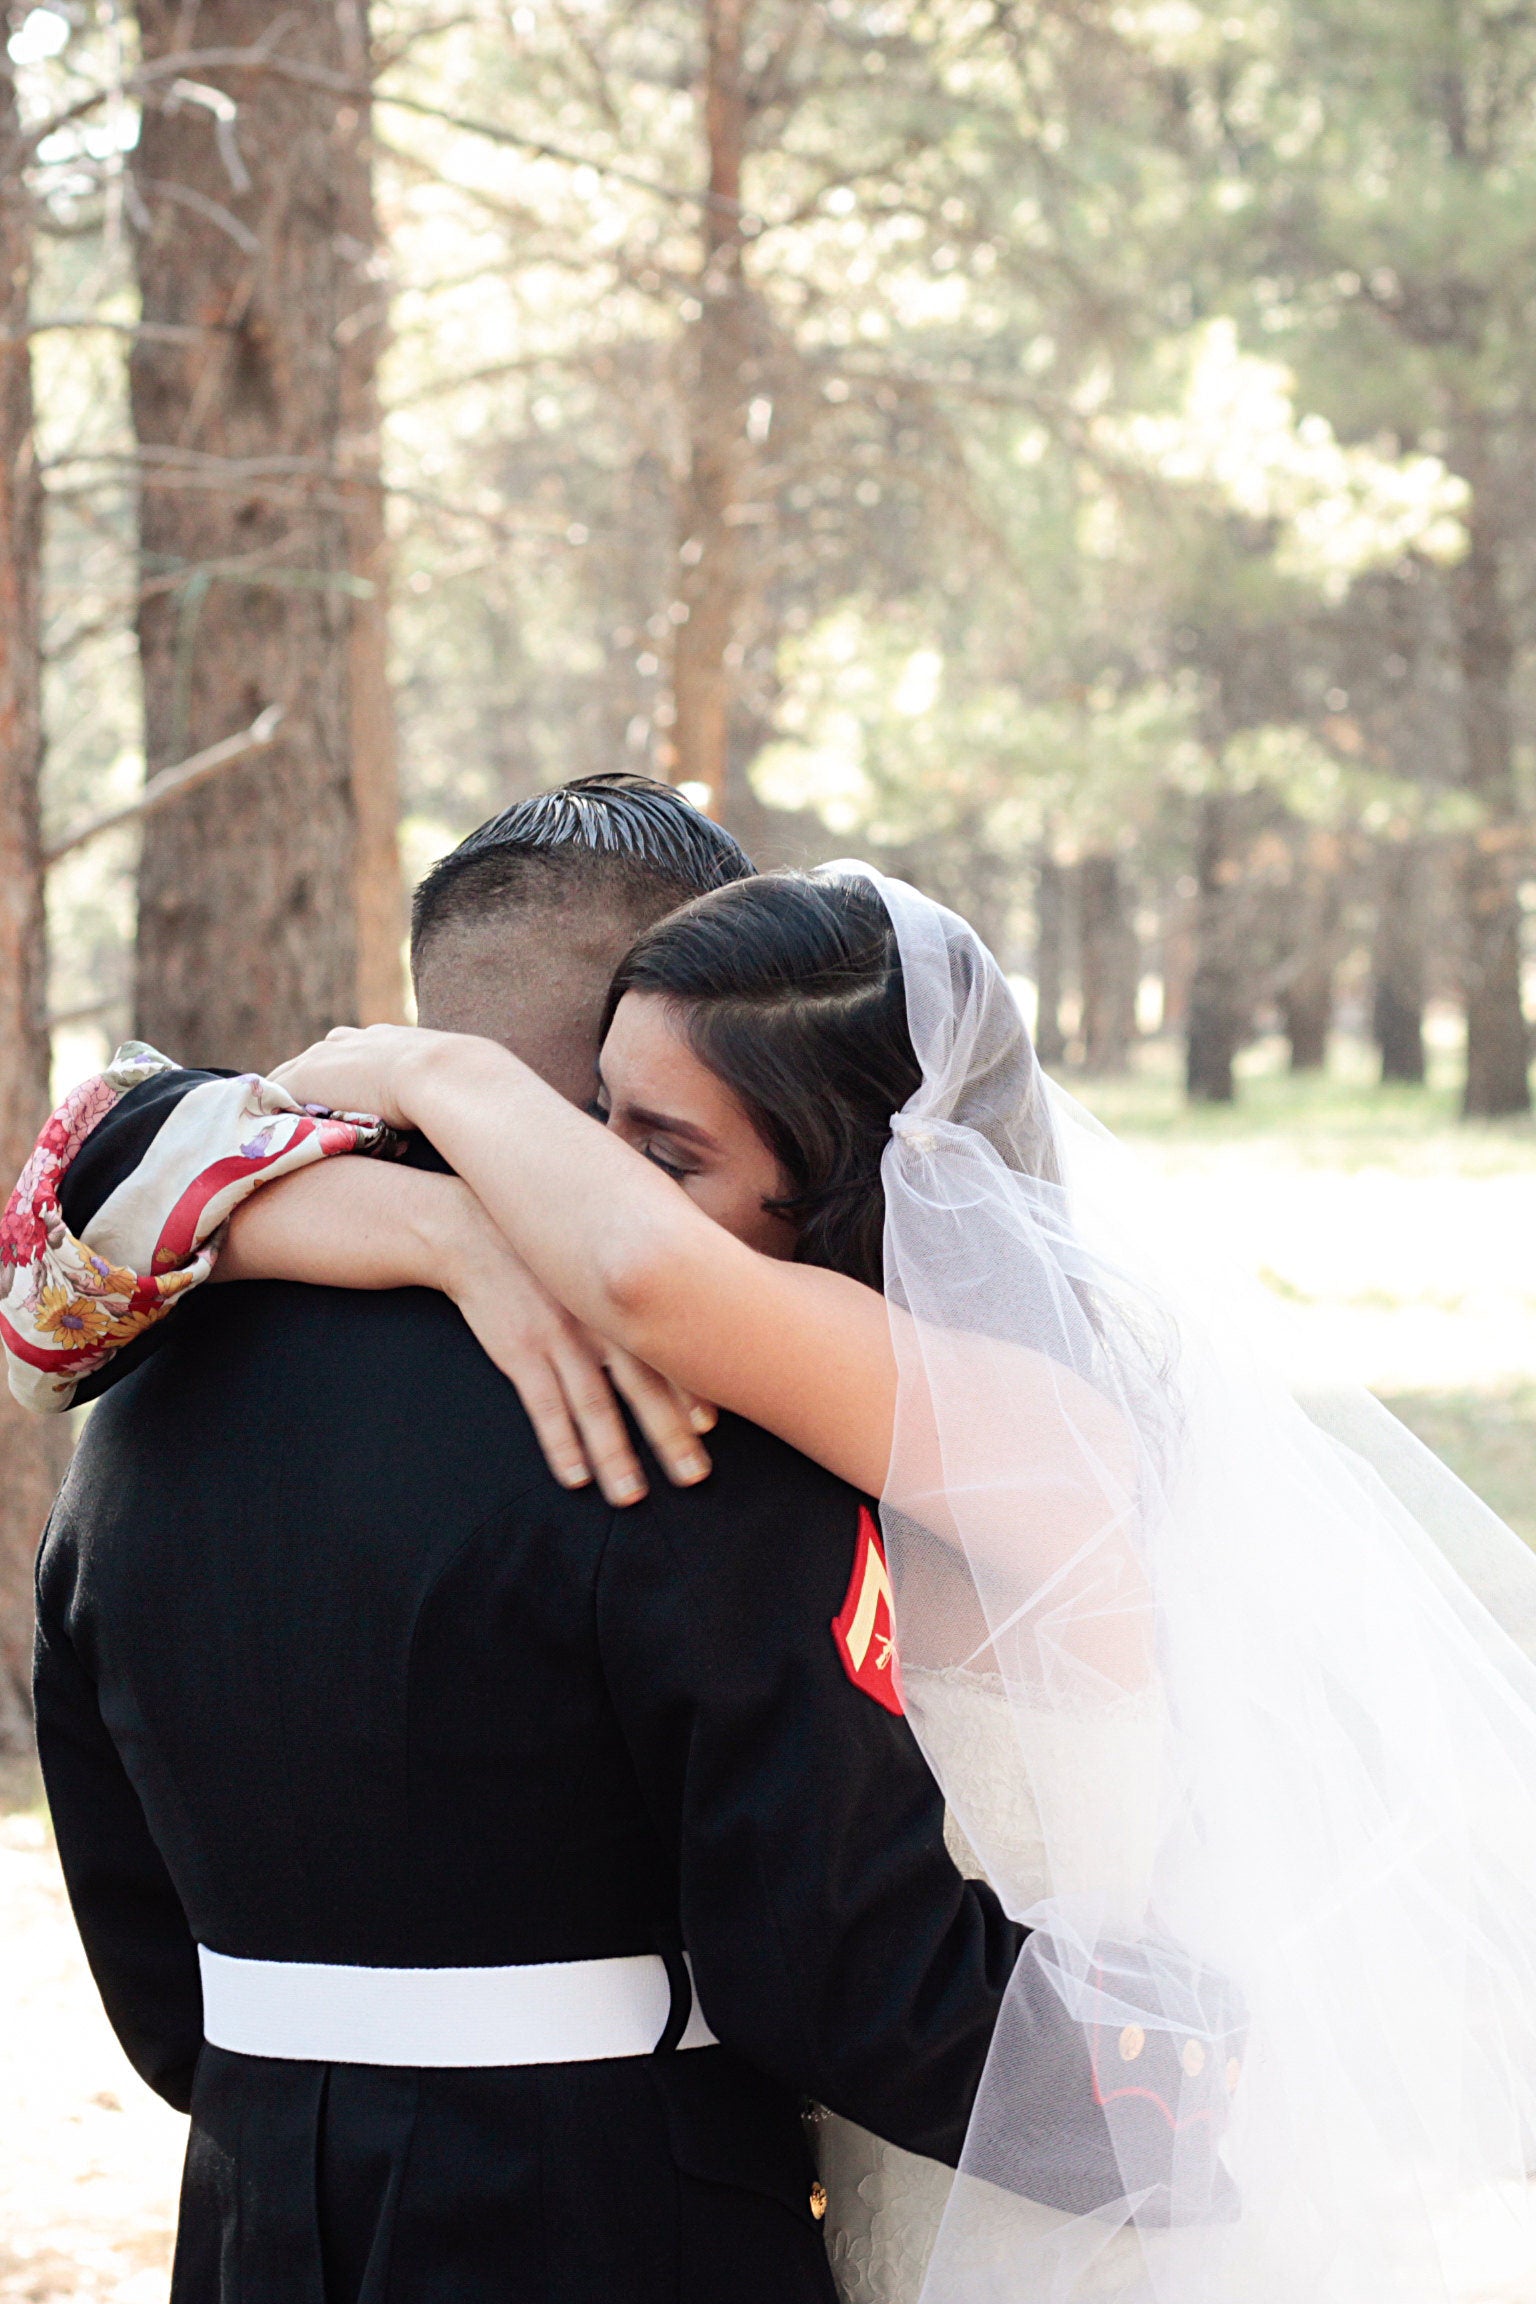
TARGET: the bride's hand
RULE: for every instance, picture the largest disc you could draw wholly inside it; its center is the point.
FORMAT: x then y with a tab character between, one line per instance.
360	1069
566	1376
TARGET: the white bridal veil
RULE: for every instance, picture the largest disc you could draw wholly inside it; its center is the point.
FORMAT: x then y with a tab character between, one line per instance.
1229	1695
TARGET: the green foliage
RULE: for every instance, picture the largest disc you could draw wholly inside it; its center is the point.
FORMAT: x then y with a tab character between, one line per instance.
1119	376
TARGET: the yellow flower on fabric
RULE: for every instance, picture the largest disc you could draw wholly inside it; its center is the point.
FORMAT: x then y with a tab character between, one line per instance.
73	1322
130	1324
115	1280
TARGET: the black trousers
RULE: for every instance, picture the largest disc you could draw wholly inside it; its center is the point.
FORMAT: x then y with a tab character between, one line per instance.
682	2179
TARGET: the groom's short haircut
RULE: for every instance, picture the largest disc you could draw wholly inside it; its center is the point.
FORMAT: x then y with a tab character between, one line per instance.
517	933
621	840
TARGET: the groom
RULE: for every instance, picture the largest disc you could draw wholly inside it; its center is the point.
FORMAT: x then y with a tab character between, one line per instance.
489	1872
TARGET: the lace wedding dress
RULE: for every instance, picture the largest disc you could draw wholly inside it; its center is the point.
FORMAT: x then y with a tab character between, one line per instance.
1096	1805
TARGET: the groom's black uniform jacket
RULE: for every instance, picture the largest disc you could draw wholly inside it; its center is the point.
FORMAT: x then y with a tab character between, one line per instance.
330	1669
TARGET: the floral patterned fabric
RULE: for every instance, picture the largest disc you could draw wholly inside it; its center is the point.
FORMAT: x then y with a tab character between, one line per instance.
67	1304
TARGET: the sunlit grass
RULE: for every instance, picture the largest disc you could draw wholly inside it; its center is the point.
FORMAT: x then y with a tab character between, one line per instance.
1488	1437
1341	1118
1400	1240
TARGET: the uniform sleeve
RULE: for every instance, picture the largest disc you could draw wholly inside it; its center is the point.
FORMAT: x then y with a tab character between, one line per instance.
833	1941
140	1948
120	1210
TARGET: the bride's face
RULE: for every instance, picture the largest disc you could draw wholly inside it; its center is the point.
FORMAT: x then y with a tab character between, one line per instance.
654	1092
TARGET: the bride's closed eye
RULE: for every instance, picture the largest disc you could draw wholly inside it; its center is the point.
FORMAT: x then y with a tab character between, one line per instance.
653	1091
648	1146
667	1167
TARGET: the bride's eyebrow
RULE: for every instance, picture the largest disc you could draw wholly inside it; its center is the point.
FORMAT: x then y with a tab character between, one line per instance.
665	1125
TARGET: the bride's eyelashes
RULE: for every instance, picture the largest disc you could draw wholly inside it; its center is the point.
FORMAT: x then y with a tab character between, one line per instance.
601	1110
667	1167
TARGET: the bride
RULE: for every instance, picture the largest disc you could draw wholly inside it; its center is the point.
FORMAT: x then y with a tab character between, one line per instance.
1228	1705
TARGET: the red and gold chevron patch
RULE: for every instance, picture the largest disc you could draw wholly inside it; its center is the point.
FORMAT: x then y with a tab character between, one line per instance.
864	1631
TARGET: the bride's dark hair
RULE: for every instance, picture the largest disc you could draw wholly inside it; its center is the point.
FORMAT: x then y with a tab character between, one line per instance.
790	990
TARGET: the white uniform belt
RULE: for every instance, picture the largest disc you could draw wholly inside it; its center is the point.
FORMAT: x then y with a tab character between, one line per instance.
562	2012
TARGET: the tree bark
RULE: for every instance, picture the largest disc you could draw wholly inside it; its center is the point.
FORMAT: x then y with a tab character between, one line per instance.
709	546
1397	962
1497	1081
1050	925
269	901
1306	987
1306	1007
378	894
1176	957
1218	992
1108	965
33	1449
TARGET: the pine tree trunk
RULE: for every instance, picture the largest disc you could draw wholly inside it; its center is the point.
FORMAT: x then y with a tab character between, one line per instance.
1176	958
1397	962
1306	1007
1108	965
33	1449
1306	989
1050	925
1497	1053
269	901
378	894
1218	992
709	546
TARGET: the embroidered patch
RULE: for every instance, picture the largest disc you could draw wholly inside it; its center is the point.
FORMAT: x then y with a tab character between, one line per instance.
863	1631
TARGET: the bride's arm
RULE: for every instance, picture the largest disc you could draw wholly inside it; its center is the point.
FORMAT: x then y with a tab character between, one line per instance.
146	1173
353	1225
804	1352
1015	1459
119	1212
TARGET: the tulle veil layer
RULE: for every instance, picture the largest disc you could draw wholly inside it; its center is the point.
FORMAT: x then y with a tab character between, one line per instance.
1229	1690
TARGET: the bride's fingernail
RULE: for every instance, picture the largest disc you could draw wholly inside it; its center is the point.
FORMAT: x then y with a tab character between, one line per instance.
692	1466
628	1489
576	1476
703	1419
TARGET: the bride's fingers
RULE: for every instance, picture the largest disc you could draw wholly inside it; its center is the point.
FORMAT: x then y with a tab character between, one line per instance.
539	1390
666	1415
604	1436
305	1061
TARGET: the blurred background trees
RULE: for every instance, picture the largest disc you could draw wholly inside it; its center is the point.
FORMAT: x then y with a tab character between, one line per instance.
1077	453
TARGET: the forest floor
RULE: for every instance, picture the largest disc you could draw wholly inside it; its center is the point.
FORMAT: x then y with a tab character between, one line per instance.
1397	1246
1392	1244
90	2160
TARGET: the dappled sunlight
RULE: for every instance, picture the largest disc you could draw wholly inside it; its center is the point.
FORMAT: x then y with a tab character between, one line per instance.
1341	508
